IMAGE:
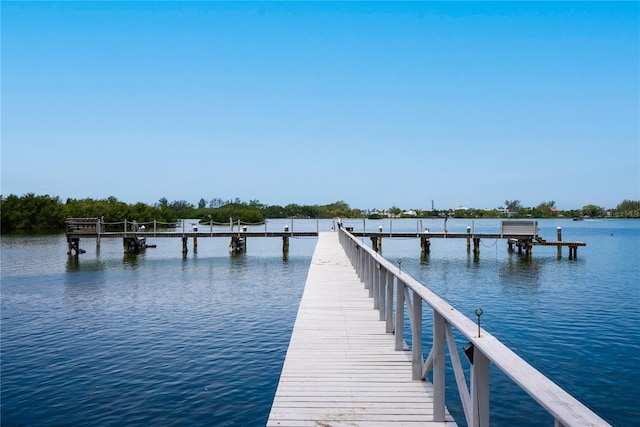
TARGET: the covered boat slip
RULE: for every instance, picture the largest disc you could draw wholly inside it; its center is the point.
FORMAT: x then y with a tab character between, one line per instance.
341	367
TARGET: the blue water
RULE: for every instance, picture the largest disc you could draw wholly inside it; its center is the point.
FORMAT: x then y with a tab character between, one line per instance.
155	339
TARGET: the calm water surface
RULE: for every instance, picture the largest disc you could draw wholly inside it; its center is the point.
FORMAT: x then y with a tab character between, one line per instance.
155	339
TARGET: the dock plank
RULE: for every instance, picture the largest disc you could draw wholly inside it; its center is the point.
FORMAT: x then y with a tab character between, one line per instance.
341	367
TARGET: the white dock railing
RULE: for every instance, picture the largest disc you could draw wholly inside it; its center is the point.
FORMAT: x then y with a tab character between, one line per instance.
385	280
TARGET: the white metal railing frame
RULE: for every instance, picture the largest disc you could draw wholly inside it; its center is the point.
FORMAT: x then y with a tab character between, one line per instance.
384	280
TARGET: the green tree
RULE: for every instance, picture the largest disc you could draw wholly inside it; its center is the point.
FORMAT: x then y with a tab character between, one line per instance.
182	208
629	208
593	211
31	213
545	210
216	203
395	210
512	205
339	209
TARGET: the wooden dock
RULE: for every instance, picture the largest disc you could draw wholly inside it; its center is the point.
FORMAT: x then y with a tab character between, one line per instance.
134	237
341	367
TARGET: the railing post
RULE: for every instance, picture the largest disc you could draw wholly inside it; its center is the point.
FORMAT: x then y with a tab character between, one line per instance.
479	390
399	323
376	284
416	338
365	268
367	271
438	366
361	262
355	262
370	276
374	278
382	289
389	303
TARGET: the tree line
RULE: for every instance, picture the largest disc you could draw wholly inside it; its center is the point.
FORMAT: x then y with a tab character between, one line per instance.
44	213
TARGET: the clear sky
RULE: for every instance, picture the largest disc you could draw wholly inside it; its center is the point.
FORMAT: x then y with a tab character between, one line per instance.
377	104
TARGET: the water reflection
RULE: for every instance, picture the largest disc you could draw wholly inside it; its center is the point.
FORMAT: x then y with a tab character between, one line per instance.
75	264
132	261
85	285
238	262
520	271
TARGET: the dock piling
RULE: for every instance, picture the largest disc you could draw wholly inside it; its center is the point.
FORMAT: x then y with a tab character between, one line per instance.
560	247
285	241
184	246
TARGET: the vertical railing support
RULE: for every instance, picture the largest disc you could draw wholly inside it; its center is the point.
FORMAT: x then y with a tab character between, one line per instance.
370	276
362	263
416	338
376	284
438	367
479	390
367	271
389	303
399	320
365	259
382	293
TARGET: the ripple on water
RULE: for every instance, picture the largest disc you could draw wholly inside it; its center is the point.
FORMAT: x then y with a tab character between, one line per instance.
158	340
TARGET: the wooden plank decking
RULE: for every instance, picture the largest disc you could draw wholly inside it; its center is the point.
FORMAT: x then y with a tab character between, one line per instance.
341	368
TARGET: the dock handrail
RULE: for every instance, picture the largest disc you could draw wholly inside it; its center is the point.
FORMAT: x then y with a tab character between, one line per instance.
382	278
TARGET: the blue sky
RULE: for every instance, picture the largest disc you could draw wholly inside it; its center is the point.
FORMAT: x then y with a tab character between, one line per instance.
377	104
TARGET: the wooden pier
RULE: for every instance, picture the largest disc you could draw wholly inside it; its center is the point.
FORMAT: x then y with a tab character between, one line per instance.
348	364
134	238
341	367
521	234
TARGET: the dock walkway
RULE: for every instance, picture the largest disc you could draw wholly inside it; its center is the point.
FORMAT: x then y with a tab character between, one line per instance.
341	368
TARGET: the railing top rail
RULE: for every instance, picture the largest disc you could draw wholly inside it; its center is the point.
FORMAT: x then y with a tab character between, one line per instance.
205	222
564	407
81	220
